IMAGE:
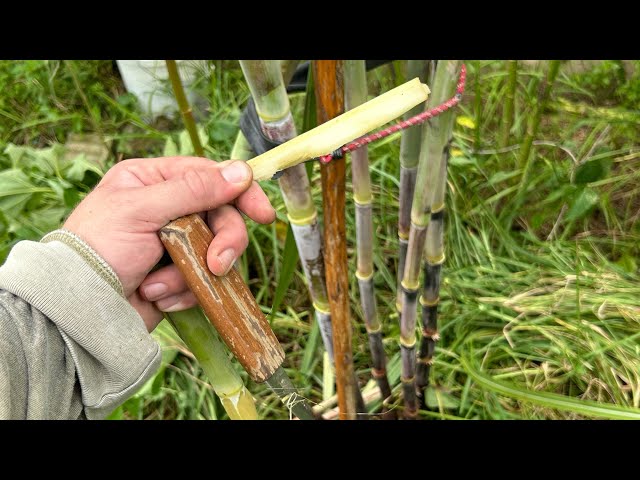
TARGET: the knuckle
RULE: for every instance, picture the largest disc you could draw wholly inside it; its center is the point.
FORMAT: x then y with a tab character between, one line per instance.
197	183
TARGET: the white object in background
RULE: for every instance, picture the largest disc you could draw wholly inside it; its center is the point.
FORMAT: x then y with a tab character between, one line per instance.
148	81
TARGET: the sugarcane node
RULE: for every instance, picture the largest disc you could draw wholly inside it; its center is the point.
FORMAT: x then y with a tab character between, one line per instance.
434	261
373	331
226	300
407	343
436	214
429	303
364	277
407	380
410	290
303	221
426	361
378	373
430	333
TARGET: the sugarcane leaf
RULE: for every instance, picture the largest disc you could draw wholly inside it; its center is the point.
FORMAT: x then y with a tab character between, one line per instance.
433	399
550	400
462	161
627	263
582	203
289	261
307	365
309	119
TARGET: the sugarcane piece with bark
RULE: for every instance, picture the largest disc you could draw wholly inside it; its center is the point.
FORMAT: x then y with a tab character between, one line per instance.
192	326
231	308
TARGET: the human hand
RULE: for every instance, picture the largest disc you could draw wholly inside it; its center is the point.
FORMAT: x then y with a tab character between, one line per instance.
121	217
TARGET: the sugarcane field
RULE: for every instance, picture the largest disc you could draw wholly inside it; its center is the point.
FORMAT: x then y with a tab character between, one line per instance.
320	239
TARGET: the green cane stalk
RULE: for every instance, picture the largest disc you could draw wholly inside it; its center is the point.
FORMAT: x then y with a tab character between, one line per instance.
193	326
436	135
355	79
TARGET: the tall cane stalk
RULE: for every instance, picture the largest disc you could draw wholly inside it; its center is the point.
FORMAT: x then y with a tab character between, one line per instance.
355	88
435	139
409	154
329	88
525	159
507	117
267	88
241	149
192	325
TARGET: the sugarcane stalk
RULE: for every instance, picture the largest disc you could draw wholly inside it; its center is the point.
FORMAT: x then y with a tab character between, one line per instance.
185	108
433	259
231	308
241	148
507	117
272	104
329	91
525	159
203	341
435	139
227	302
355	87
192	325
477	106
409	153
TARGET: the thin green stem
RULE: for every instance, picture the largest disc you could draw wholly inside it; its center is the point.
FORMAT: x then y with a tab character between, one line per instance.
185	108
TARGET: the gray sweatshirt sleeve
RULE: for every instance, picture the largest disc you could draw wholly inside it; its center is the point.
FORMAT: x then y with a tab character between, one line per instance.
71	346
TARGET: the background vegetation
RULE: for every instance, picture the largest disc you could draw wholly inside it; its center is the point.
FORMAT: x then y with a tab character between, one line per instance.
539	315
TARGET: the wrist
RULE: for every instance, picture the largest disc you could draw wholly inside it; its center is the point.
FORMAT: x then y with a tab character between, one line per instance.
88	254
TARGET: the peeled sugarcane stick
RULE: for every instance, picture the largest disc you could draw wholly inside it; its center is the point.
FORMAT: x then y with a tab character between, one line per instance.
329	89
192	325
334	133
272	104
409	153
355	87
507	117
435	138
226	300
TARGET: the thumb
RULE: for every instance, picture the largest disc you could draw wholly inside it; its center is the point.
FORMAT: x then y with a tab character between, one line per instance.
197	189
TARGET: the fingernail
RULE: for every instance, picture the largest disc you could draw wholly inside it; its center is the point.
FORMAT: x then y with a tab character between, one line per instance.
171	304
236	172
226	259
154	291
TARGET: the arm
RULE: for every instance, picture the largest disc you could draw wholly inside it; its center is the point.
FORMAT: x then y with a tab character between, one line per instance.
71	345
75	309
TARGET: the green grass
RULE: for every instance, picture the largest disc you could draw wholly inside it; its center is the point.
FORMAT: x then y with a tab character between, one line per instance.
539	319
